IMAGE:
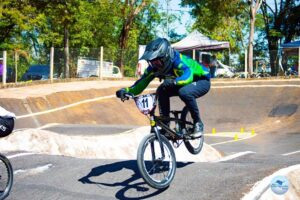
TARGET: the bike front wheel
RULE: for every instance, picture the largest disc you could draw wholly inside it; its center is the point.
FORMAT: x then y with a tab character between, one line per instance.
6	177
157	170
194	146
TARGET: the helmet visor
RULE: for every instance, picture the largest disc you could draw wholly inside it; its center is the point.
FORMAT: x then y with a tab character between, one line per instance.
157	64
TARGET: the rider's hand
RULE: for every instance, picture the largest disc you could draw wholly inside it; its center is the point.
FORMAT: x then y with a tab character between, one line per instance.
121	93
169	83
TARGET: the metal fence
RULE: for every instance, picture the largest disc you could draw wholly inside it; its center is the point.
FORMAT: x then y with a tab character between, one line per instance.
59	63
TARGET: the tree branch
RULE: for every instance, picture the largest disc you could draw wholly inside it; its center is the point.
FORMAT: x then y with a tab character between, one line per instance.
265	3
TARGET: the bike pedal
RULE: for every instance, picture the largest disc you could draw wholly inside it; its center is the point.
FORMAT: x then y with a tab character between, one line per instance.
196	137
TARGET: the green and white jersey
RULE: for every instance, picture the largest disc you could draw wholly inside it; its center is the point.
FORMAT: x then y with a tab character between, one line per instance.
185	69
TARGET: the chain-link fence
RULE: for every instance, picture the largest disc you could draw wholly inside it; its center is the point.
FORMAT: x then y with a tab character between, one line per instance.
27	66
268	64
276	63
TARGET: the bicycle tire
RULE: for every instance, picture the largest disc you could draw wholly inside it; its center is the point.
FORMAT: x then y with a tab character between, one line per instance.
144	159
6	171
194	146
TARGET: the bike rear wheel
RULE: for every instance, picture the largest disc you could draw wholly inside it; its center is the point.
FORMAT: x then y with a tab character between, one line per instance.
194	146
156	170
6	177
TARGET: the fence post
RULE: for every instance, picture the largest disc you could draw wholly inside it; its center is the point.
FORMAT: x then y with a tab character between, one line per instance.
101	63
246	58
16	66
4	68
299	62
51	63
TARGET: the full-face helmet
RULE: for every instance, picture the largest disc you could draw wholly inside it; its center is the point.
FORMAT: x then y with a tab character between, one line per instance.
159	55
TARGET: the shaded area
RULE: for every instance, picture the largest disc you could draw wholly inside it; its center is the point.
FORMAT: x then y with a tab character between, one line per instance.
142	189
283	110
99	129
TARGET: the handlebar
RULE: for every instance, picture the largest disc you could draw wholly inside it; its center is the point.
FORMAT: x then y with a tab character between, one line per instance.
127	96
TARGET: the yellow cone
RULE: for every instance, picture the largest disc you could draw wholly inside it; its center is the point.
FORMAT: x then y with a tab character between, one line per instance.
213	131
242	130
236	137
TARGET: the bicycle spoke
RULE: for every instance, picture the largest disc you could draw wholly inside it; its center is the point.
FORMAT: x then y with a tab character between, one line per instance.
158	171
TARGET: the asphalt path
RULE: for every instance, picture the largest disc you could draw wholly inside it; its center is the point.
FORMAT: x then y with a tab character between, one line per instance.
61	177
40	176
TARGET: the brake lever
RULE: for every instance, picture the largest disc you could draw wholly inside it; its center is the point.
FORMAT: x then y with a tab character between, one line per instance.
126	97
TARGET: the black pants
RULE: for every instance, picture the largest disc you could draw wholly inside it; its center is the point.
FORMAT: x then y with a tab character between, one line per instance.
187	94
212	71
6	126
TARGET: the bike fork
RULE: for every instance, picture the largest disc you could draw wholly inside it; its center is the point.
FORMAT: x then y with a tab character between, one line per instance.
157	134
156	131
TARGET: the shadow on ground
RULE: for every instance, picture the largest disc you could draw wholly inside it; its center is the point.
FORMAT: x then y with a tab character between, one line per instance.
135	182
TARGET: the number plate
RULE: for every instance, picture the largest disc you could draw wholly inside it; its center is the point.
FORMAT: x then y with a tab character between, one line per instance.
145	103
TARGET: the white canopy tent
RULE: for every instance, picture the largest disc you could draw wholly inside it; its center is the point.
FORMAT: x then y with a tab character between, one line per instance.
198	41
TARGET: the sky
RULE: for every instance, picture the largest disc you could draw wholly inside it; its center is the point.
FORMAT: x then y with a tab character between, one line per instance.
174	7
187	20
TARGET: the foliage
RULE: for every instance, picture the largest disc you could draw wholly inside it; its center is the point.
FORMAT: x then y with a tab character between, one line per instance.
120	26
220	19
35	26
281	24
229	20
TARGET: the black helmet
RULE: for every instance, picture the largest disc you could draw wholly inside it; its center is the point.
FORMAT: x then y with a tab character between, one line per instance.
159	55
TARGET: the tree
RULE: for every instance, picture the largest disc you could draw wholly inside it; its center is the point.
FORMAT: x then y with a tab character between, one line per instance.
221	20
84	25
17	18
129	10
61	17
281	22
254	7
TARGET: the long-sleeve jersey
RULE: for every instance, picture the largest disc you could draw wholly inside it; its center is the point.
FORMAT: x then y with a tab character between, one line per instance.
183	68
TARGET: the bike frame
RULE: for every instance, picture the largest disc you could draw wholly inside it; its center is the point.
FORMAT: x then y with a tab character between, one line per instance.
156	121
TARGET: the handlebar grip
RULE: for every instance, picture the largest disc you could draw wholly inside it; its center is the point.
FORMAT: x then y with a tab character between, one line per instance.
127	96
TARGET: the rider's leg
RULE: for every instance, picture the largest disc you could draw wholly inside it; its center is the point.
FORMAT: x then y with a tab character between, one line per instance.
164	95
188	95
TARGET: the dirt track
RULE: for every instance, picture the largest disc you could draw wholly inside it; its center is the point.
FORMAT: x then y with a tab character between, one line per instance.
230	105
271	108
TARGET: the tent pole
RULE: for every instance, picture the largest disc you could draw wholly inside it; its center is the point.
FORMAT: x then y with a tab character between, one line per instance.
194	54
246	70
229	56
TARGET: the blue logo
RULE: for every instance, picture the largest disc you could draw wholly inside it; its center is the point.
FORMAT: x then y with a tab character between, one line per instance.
279	185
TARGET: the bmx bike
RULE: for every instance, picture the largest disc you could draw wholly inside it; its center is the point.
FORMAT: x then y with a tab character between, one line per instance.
6	176
156	157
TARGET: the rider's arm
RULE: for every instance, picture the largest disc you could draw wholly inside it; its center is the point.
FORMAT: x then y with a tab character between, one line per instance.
142	83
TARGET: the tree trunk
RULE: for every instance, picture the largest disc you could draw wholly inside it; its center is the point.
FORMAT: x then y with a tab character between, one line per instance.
16	66
128	21
250	51
123	44
67	54
273	48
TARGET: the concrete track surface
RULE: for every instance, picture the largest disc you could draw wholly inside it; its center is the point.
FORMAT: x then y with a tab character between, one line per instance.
253	125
